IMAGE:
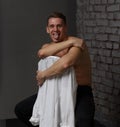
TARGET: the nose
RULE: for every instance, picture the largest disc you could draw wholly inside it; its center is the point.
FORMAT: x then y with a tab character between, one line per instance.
55	28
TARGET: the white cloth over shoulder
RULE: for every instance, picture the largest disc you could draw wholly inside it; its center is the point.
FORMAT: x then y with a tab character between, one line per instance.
54	106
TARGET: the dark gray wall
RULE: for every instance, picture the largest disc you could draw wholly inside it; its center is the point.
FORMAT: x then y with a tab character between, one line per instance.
98	22
22	32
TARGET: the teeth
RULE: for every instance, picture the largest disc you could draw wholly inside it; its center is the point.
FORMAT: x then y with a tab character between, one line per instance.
56	35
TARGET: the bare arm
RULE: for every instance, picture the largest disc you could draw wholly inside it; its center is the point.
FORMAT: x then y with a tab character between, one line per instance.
53	48
61	65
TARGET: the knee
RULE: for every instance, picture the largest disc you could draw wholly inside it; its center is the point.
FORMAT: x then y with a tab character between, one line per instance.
17	109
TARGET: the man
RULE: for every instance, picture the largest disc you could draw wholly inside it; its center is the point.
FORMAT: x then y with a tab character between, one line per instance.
72	52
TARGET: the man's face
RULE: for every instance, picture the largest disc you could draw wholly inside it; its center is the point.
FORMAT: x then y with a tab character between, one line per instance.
56	28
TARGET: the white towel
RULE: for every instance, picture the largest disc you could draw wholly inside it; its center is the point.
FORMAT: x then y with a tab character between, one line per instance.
54	106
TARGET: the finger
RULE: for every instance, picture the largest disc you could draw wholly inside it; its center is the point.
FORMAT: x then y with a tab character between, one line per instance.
37	78
40	84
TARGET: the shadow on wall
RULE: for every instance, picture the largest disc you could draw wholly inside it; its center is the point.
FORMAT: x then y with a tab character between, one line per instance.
98	124
18	123
0	47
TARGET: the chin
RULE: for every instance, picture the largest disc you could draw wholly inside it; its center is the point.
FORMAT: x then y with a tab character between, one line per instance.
56	41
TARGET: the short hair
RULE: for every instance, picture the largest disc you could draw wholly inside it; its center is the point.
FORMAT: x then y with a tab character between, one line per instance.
57	15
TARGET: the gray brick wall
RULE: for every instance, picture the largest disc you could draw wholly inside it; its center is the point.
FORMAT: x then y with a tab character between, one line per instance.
98	22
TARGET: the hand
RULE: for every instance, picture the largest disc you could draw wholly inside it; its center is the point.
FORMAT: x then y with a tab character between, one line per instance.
38	53
40	78
77	42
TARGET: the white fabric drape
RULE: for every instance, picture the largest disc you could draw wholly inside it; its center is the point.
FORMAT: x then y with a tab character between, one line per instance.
54	106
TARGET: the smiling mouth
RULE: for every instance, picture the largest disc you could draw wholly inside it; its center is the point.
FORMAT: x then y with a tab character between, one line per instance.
56	36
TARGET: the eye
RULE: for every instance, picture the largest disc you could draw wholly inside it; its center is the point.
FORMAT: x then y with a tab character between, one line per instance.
51	26
60	25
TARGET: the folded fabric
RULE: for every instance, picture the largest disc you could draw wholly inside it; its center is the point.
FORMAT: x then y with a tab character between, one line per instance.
54	106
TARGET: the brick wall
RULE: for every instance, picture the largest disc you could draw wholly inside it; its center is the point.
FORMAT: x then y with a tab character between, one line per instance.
98	22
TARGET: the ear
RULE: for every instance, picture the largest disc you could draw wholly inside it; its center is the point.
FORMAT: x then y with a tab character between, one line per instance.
66	28
47	30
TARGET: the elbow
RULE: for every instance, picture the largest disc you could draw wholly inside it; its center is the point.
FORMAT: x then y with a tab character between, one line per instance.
67	65
41	54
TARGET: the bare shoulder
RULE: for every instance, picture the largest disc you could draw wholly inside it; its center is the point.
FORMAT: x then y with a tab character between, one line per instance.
45	45
76	38
77	42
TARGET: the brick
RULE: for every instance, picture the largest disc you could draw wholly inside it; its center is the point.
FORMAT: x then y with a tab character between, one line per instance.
112	106
116	61
119	31
105	52
109	60
102	22
89	30
105	110
110	16
99	8
102	37
117	15
93	65
111	30
109	45
117	1
101	15
89	45
112	8
108	82
90	23
86	16
97	1
103	103
92	15
115	23
109	75
116	68
106	89
92	1
103	59
99	73
99	29
97	79
103	1
116	91
94	44
103	96
115	38
90	8
114	99
103	67
116	46
116	78
89	36
111	1
117	84
116	53
88	42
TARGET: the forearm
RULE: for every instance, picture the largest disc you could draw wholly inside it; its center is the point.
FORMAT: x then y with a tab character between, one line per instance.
69	59
54	48
62	64
56	69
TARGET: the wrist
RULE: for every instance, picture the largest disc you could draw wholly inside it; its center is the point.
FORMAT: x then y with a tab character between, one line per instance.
69	43
44	77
